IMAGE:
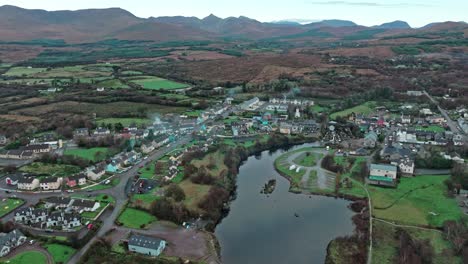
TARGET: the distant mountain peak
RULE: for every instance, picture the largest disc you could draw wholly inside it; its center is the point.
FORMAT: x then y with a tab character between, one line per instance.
397	24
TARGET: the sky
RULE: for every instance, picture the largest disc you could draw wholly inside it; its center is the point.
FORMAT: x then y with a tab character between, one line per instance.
364	12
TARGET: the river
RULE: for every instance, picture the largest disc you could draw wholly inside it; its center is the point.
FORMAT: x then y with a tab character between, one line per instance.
264	229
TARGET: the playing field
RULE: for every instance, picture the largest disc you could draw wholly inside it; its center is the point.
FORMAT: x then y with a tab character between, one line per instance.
155	83
9	204
28	257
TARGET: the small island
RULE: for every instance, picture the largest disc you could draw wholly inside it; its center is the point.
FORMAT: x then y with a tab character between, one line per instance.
269	187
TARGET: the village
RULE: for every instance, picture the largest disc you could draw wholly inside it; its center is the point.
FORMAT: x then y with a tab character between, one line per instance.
90	169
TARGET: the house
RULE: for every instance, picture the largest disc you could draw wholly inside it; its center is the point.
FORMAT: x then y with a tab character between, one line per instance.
3	140
251	104
51	183
405	119
436	120
75	180
146	245
100	131
27	183
16	154
148	147
57	202
406	166
100	89
10	241
277	107
285	128
12	179
414	93
426	111
30	215
229	100
113	167
54	219
96	172
71	220
370	140
81	132
383	174
85	205
37	149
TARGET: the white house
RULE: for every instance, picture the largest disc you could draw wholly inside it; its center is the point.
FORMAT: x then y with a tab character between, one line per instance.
10	241
27	183
51	183
383	174
95	173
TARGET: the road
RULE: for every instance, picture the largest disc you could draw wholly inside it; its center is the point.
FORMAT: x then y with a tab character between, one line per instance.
452	125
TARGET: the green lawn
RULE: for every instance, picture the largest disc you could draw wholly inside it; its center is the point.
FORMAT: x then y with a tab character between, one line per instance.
131	73
134	218
113	183
144	200
9	204
59	170
28	258
60	253
432	128
148	171
365	108
424	202
125	121
155	83
89	154
308	159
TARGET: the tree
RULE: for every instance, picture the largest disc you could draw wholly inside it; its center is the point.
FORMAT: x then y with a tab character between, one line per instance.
174	191
118	127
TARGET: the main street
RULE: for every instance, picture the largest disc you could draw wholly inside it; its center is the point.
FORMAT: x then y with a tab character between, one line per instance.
452	125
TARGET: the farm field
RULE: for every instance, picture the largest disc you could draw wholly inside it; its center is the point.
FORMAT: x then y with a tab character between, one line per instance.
28	257
113	84
9	204
58	170
23	71
155	83
60	253
416	201
92	154
135	218
365	109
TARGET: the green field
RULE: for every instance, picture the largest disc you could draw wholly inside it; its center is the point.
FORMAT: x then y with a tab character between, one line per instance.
148	171
131	73
92	154
125	121
9	204
386	244
28	258
60	253
365	109
134	218
59	170
155	83
416	201
144	200
113	183
308	159
113	84
21	71
432	128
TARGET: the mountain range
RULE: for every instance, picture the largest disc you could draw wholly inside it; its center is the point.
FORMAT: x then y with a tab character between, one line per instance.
89	25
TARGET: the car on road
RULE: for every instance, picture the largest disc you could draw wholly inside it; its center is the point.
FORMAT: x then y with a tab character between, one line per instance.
31	242
70	191
145	158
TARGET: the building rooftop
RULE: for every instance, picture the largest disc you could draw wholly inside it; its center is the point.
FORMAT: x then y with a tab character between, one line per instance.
144	241
383	167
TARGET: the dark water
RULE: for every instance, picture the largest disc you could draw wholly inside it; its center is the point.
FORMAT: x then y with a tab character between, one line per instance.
261	229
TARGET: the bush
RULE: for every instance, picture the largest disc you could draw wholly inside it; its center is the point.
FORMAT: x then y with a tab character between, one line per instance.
175	192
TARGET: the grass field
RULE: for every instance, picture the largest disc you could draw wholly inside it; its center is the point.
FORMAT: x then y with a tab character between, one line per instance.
134	218
155	83
125	121
365	109
131	73
308	159
194	193
28	258
148	171
432	128
113	84
416	201
9	204
20	71
216	159
145	200
60	253
113	183
58	170
386	243
92	154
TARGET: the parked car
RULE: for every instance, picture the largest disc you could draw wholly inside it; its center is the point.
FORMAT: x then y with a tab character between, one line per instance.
31	242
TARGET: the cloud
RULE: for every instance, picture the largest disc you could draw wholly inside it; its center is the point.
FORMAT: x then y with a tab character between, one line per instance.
371	4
